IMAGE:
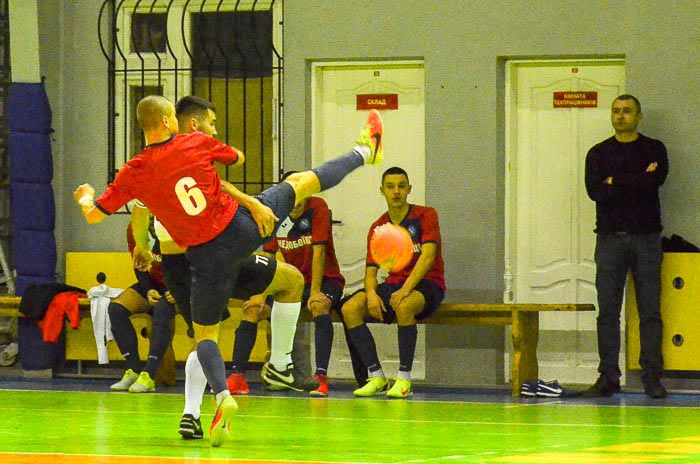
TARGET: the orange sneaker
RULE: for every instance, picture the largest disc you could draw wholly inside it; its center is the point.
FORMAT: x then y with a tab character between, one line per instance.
237	384
322	389
371	136
221	425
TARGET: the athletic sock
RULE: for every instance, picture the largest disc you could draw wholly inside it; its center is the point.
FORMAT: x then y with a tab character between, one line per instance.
243	344
161	334
283	325
212	365
332	172
323	338
195	384
363	341
408	334
124	335
364	151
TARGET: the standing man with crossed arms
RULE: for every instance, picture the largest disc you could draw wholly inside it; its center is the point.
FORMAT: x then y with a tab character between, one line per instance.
623	177
175	178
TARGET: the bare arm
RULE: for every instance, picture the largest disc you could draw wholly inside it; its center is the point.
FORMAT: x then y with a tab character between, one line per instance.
85	198
375	305
423	265
142	255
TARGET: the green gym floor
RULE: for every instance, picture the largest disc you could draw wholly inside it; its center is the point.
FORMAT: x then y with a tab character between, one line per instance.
64	421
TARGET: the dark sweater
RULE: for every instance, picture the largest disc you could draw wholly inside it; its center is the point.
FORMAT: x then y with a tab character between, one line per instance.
631	204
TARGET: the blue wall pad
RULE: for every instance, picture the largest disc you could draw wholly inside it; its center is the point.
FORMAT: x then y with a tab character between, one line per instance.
34	252
33	206
23	282
28	108
30	157
34	353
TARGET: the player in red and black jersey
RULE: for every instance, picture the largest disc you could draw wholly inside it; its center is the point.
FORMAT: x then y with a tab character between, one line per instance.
147	295
305	240
411	294
174	177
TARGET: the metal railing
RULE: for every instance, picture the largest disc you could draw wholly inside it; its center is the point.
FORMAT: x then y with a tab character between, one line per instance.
226	51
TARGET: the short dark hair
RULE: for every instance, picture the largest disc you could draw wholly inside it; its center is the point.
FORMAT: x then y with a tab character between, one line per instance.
626	96
193	106
394	170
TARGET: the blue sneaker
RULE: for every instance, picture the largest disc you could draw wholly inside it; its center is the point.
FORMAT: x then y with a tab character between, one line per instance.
549	389
528	389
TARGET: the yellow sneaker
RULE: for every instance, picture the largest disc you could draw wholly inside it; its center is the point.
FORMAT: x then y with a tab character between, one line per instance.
128	378
401	389
144	384
221	425
374	386
371	136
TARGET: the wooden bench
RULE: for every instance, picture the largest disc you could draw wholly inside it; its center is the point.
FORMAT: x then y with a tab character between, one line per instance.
523	317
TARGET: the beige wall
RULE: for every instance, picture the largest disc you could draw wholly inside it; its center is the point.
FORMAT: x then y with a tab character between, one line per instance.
463	44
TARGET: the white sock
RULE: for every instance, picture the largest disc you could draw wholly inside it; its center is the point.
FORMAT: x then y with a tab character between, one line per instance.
406	375
283	322
364	151
378	373
195	384
221	395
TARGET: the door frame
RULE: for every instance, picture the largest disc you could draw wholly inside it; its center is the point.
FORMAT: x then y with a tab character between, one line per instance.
510	152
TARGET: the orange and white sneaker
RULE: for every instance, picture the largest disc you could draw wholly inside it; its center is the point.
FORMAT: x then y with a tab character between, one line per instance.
237	384
401	389
322	389
371	136
221	425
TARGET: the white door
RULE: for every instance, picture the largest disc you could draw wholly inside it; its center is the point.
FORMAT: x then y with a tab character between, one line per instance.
558	111
356	202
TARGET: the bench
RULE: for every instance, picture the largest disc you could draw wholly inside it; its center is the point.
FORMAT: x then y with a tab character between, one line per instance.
523	317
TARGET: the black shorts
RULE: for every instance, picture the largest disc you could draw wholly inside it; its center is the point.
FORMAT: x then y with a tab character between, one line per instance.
432	293
215	265
255	276
332	289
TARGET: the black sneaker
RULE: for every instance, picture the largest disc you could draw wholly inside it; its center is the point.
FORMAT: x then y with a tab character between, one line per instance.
190	428
274	379
602	388
654	389
528	389
549	389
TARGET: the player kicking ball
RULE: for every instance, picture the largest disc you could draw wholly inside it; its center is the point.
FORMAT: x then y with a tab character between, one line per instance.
175	178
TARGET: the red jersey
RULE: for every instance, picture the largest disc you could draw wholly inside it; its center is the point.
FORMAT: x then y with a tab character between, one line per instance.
422	224
156	271
296	237
177	180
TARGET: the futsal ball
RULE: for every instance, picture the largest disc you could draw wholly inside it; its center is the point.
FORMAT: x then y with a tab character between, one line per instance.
391	247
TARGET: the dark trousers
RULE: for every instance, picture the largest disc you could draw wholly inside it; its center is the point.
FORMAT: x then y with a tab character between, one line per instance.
615	255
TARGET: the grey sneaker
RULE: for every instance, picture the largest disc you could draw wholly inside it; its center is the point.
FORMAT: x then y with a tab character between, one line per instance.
126	381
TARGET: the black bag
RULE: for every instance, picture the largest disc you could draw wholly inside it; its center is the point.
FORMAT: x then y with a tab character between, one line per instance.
677	244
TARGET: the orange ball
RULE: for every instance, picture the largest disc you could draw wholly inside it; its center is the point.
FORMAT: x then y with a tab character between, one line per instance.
391	247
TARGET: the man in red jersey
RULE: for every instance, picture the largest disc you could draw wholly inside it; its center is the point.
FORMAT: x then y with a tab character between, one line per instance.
408	295
175	178
305	240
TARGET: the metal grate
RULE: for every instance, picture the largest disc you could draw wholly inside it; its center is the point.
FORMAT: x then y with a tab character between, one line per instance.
226	51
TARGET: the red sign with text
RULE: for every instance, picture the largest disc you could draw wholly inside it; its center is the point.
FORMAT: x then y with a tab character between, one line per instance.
575	99
378	101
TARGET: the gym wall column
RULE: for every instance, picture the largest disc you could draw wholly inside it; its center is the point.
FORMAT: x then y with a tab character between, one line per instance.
29	147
